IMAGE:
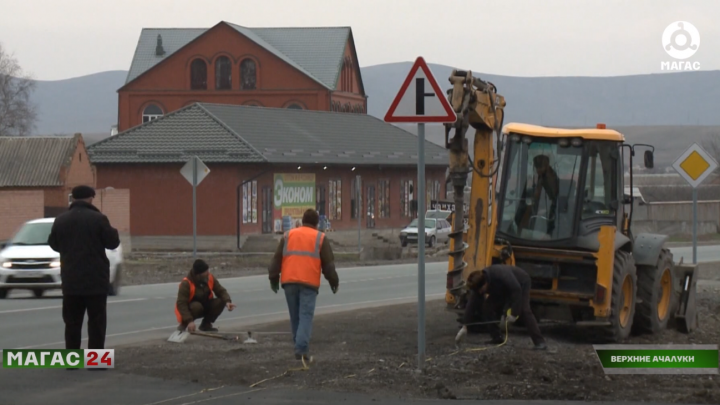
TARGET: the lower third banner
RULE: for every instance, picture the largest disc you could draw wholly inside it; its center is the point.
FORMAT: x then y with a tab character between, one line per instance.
658	359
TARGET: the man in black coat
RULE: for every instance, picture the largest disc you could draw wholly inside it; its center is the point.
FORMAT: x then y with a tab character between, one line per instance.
81	236
508	289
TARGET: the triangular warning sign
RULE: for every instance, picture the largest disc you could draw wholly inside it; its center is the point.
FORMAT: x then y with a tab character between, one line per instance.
420	99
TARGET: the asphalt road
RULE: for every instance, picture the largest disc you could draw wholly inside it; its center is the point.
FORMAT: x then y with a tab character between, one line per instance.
146	312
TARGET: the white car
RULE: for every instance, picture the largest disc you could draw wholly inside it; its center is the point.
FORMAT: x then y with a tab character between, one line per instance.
27	262
436	230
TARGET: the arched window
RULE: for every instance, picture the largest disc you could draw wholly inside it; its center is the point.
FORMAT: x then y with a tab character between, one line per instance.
223	73
248	74
295	106
151	112
198	75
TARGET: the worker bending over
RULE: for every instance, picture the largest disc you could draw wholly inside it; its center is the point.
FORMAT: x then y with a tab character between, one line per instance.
508	297
301	257
200	295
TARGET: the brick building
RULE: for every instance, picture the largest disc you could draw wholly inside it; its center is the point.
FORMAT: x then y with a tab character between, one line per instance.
265	163
297	68
53	165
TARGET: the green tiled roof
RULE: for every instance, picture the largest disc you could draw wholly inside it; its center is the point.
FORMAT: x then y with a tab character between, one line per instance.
316	52
230	133
35	161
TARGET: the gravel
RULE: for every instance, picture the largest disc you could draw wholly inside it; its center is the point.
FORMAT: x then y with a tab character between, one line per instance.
374	351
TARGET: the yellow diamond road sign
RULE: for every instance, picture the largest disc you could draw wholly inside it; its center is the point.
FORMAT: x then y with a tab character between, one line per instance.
695	165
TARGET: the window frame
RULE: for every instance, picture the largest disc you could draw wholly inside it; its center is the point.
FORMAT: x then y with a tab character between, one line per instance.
193	74
249	202
219	73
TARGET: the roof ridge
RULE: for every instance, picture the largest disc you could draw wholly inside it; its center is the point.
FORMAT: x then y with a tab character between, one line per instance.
230	130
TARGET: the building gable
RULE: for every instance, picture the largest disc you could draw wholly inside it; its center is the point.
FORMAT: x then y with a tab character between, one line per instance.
348	77
173	72
313	52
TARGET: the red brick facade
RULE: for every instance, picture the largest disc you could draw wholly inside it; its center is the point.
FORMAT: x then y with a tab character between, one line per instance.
161	199
18	207
168	84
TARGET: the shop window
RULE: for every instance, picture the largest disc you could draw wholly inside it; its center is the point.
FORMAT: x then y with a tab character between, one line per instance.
384	198
432	191
249	215
355	199
406	196
335	201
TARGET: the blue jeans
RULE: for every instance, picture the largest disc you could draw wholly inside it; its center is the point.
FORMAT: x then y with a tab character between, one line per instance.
301	304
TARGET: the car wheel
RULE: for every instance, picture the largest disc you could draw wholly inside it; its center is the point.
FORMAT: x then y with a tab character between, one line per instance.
4	293
38	292
115	284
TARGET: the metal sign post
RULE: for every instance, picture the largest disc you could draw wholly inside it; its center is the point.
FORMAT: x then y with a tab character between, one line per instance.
695	165
194	172
421	102
358	209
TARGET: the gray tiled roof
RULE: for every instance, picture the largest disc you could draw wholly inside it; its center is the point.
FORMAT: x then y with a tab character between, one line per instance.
316	52
35	161
175	138
273	135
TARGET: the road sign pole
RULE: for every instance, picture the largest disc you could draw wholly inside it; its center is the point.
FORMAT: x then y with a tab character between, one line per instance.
694	225
358	209
421	245
194	203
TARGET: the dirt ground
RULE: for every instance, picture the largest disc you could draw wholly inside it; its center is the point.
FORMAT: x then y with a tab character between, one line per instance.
150	269
372	351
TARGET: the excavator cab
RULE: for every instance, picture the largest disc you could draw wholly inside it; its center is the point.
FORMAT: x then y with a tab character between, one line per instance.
551	201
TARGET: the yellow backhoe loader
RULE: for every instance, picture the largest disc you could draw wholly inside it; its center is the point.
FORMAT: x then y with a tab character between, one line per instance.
552	202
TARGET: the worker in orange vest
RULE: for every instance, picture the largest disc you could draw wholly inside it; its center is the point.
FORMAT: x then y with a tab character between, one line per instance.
301	257
200	295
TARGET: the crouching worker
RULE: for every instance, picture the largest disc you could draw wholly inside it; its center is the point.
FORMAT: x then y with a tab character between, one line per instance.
508	297
301	257
200	295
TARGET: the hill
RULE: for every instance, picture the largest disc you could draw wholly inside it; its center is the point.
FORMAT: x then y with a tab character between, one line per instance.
666	110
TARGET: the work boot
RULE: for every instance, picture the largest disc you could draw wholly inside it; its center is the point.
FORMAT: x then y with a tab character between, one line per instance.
540	346
207	327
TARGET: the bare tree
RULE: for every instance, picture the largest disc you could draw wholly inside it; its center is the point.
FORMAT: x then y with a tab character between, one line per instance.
712	145
17	113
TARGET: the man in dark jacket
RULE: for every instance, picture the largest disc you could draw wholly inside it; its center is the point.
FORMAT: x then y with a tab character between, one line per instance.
200	295
81	236
508	297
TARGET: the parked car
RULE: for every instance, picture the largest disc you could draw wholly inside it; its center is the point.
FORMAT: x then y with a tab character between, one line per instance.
436	230
27	262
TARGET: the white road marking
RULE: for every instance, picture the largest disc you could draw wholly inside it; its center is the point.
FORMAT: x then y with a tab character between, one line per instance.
10	311
429	296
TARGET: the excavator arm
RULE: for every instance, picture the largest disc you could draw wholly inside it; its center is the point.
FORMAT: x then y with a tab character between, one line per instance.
477	105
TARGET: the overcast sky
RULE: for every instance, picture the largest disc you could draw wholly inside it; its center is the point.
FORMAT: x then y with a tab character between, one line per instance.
58	39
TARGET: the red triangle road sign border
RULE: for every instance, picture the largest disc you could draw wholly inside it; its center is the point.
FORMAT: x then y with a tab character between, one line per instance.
420	64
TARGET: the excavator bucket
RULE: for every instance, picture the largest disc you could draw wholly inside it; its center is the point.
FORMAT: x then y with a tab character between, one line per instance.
686	317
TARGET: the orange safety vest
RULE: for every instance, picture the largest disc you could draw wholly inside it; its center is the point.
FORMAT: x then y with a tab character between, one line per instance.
301	256
211	284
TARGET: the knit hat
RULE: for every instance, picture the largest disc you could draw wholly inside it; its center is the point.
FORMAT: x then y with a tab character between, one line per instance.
200	267
82	192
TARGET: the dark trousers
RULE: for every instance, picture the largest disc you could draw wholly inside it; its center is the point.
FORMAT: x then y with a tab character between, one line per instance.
209	310
495	307
73	310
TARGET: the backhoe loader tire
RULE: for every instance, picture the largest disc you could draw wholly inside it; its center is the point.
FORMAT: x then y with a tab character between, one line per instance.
623	298
656	289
